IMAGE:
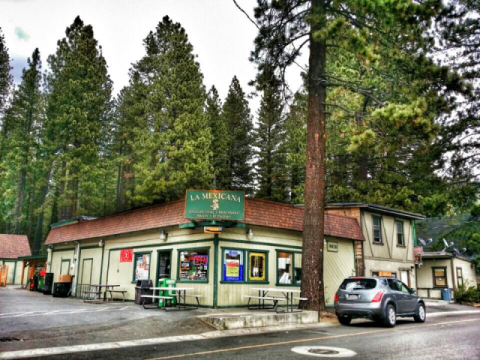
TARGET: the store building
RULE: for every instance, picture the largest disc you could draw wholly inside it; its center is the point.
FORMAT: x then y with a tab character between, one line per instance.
218	242
443	270
390	238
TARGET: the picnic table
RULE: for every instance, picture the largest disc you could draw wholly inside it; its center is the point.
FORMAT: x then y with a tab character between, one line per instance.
263	295
180	294
96	291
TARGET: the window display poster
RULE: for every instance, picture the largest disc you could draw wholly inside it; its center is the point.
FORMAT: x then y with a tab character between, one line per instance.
233	265
193	266
142	266
126	255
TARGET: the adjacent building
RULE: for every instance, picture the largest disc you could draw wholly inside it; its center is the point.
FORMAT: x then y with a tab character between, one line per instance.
389	239
12	249
443	270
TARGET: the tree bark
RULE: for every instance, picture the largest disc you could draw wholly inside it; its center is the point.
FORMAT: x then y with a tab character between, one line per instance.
313	225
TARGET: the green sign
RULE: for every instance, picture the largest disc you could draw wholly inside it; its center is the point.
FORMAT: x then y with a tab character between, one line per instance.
214	204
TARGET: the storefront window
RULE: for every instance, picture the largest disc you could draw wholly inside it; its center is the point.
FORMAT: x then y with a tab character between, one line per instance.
142	266
233	265
257	266
193	265
285	268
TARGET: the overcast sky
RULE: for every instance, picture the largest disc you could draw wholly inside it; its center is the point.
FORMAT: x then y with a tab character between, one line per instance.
221	35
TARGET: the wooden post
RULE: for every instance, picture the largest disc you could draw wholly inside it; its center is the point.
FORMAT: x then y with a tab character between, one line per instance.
23	273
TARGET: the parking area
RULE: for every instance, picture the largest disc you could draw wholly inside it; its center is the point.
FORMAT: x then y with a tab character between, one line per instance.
35	320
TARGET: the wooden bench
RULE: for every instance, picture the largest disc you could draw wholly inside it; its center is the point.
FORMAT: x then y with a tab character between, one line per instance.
96	298
117	291
300	298
153	297
263	298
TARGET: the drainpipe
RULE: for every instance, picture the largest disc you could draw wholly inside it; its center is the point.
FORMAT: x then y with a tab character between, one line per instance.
76	265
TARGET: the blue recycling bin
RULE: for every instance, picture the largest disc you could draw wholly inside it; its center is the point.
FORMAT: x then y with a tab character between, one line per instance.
446	294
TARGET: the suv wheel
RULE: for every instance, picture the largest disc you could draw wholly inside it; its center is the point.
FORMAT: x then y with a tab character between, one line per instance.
420	314
344	320
391	316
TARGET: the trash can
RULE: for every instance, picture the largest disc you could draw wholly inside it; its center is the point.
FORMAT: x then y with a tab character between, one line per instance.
446	294
41	283
143	288
170	283
61	289
48	285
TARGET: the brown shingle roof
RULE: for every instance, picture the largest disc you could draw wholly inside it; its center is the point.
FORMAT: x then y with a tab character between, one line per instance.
13	246
257	212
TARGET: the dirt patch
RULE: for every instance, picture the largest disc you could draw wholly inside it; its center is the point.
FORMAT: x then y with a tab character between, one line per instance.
328	317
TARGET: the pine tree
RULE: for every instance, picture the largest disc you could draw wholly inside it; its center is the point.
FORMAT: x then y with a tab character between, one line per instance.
236	113
220	139
5	76
295	146
79	104
271	168
172	141
458	32
5	85
358	28
25	118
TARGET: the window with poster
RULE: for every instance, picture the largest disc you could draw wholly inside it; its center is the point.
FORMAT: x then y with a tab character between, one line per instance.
233	265
141	268
289	268
193	264
257	266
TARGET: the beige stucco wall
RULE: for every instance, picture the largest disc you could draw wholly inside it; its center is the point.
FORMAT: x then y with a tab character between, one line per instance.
14	275
468	272
55	260
389	248
388	256
11	270
425	277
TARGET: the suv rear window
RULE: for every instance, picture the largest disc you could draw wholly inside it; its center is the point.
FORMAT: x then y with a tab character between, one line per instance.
358	284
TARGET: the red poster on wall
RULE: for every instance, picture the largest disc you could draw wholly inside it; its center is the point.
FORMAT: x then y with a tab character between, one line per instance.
126	255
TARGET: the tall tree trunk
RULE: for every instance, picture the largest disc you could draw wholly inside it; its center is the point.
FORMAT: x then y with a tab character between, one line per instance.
37	241
20	201
313	224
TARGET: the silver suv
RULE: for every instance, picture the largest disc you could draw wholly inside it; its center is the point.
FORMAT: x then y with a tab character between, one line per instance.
381	299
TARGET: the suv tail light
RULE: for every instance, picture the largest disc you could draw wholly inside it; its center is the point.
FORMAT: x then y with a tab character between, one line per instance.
378	296
335	298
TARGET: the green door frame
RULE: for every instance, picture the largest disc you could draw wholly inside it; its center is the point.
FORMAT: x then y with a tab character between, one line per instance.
170	251
83	269
68	268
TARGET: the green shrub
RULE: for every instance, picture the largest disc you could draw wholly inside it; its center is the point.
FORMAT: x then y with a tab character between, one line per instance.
467	294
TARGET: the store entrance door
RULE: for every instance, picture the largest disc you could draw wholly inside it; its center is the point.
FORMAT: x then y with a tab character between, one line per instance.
164	265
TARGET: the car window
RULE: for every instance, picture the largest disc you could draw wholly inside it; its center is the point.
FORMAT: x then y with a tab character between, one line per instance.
393	284
358	284
405	288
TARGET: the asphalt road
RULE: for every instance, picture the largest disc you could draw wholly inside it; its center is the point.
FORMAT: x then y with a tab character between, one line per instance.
37	321
442	337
